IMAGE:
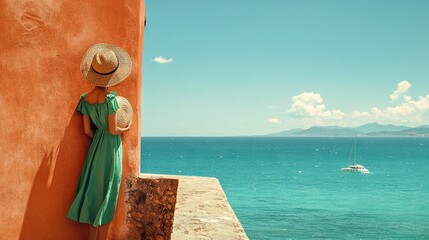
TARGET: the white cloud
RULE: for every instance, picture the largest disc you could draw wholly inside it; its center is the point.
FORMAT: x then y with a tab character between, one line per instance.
162	60
401	89
274	120
357	114
309	109
310	105
407	111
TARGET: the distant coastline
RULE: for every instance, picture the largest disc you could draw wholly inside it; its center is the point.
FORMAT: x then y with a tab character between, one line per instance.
366	130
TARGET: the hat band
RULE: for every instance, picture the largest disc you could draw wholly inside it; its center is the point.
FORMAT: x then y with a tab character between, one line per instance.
108	72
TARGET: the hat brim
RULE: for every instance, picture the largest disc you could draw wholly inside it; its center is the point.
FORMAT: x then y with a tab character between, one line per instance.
122	72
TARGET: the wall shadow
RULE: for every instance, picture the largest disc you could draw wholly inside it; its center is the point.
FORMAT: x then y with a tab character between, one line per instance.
54	188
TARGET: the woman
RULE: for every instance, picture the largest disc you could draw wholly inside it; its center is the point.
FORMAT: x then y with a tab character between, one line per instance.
103	65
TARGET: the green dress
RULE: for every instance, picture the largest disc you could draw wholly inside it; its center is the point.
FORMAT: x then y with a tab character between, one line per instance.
98	187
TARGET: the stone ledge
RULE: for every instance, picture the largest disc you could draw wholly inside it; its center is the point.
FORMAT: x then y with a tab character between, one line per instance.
202	210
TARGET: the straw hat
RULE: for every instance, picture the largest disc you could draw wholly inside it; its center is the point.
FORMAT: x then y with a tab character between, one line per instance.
124	113
105	65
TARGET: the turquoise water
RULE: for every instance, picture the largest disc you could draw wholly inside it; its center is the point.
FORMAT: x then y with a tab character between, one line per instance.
292	188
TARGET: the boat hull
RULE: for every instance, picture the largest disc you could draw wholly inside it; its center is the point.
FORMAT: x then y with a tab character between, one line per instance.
354	170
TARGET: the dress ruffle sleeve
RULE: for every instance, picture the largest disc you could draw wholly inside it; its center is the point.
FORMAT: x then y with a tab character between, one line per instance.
82	107
112	103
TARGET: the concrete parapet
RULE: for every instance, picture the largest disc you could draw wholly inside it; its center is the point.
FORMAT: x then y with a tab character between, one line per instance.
202	210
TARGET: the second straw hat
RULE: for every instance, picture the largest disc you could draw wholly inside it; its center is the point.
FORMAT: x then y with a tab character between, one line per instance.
124	113
105	65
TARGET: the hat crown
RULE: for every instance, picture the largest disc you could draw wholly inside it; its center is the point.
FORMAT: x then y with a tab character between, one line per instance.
105	62
105	65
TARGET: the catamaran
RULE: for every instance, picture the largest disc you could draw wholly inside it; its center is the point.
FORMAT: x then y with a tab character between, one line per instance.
357	168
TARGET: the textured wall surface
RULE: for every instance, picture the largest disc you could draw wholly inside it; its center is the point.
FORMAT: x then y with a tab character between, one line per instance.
151	202
42	145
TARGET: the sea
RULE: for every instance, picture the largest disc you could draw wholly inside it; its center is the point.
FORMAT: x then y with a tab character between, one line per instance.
293	188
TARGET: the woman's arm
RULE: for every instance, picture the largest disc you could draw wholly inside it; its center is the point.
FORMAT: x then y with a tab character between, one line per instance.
113	129
87	126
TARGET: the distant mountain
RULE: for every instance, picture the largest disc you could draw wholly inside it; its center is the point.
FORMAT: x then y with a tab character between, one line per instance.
412	132
285	133
375	127
370	129
419	131
327	131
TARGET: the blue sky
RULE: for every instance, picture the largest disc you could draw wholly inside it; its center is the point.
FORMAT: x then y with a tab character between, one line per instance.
235	67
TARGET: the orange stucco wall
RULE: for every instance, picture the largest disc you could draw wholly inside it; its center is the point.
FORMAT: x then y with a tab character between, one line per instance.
42	145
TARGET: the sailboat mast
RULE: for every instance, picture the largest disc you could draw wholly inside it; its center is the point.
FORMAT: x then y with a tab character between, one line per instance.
353	151
354	159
